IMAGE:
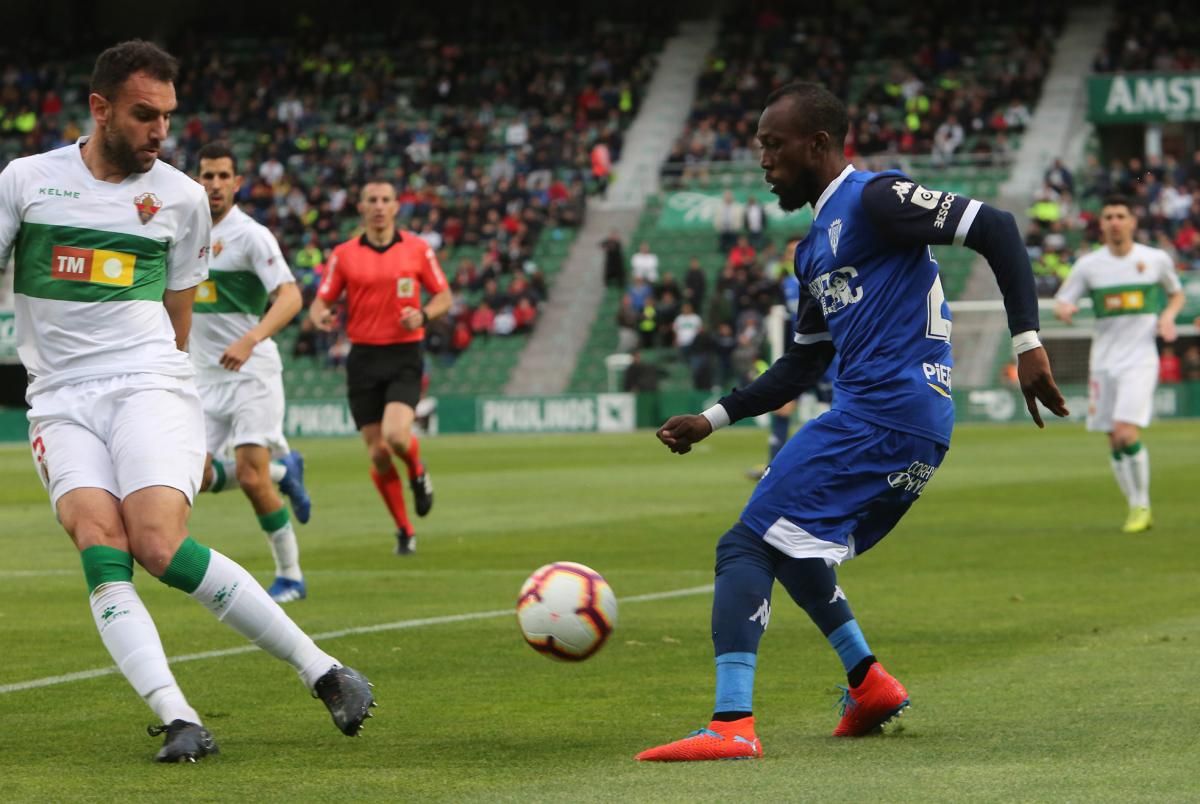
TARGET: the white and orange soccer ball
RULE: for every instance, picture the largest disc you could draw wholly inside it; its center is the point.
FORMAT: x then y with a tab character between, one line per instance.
567	611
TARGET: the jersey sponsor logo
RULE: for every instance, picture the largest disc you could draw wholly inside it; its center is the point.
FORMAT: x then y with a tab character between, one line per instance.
940	221
206	292
147	205
835	290
902	189
1125	300
939	374
835	234
404	287
92	265
763	615
927	199
913	479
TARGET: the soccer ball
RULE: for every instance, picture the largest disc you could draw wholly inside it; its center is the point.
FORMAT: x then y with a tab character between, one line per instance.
566	611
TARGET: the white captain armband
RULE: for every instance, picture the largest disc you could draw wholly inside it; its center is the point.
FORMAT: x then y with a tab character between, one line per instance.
717	416
1024	341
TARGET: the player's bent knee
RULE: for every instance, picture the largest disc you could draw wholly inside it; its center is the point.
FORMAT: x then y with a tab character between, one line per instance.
154	549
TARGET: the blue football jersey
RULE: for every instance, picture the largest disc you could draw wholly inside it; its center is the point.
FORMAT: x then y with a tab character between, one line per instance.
878	297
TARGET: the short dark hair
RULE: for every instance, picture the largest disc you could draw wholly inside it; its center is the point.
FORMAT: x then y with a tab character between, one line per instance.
377	180
820	109
116	64
217	150
1118	201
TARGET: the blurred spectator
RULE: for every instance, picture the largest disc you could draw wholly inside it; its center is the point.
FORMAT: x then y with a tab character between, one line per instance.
614	261
695	284
756	222
641	376
1190	365
1170	368
644	264
628	319
728	221
686	326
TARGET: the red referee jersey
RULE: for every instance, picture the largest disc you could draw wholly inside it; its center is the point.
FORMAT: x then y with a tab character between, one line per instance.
379	284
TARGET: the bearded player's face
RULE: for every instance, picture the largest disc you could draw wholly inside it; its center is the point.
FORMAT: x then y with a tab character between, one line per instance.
133	124
790	155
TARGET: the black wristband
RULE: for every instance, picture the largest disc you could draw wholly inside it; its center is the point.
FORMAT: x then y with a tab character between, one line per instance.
424	317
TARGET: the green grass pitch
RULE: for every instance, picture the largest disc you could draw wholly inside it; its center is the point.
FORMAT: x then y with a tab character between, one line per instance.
1049	657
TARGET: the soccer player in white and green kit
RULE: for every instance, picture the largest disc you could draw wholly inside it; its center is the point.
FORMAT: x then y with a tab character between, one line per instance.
238	370
1135	296
109	245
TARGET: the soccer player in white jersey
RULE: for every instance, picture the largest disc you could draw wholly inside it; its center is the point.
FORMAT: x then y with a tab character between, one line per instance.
238	371
1135	295
109	245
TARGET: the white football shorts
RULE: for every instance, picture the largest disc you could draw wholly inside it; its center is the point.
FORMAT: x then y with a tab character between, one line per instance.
1125	395
247	410
120	434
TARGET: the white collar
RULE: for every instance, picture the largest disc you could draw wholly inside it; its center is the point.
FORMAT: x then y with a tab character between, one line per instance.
831	189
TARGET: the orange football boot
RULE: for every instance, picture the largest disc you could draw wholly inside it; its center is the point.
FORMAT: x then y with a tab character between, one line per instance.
872	703
721	740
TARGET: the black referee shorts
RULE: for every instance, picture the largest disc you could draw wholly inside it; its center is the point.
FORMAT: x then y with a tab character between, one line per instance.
377	375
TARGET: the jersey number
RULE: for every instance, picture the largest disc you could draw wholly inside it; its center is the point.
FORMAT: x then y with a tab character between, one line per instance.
936	327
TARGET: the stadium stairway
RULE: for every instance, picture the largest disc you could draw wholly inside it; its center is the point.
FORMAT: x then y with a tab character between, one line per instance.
547	363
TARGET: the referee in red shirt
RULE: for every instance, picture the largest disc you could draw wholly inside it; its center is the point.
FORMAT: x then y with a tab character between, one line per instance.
382	274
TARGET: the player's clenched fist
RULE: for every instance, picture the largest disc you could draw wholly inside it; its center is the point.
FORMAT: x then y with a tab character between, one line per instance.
680	432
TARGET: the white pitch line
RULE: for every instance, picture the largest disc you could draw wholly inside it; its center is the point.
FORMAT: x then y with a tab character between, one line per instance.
84	675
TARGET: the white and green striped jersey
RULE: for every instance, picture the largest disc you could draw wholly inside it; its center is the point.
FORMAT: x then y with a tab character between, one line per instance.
1127	294
245	267
93	260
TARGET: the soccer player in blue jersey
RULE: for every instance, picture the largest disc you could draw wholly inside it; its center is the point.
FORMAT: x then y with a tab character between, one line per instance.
842	482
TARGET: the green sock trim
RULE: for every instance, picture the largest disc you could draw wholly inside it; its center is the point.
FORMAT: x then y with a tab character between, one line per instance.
187	568
273	521
103	565
1133	449
1117	454
218	477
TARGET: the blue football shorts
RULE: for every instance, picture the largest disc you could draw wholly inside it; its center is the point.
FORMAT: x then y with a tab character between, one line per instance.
839	486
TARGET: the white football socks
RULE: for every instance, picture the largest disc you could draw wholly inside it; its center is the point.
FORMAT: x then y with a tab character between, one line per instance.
229	592
1123	470
277	471
128	632
1139	471
286	552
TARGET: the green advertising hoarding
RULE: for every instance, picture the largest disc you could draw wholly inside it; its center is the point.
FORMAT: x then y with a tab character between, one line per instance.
623	413
1143	97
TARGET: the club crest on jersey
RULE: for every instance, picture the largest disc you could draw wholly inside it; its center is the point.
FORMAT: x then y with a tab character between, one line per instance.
1141	266
217	248
147	205
404	287
835	234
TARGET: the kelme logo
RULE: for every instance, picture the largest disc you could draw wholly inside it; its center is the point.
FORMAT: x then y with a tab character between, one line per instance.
92	265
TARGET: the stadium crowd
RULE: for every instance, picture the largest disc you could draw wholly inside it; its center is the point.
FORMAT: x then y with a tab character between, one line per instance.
1063	219
491	142
922	82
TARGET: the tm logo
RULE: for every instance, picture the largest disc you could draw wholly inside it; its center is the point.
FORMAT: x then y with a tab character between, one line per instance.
763	615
